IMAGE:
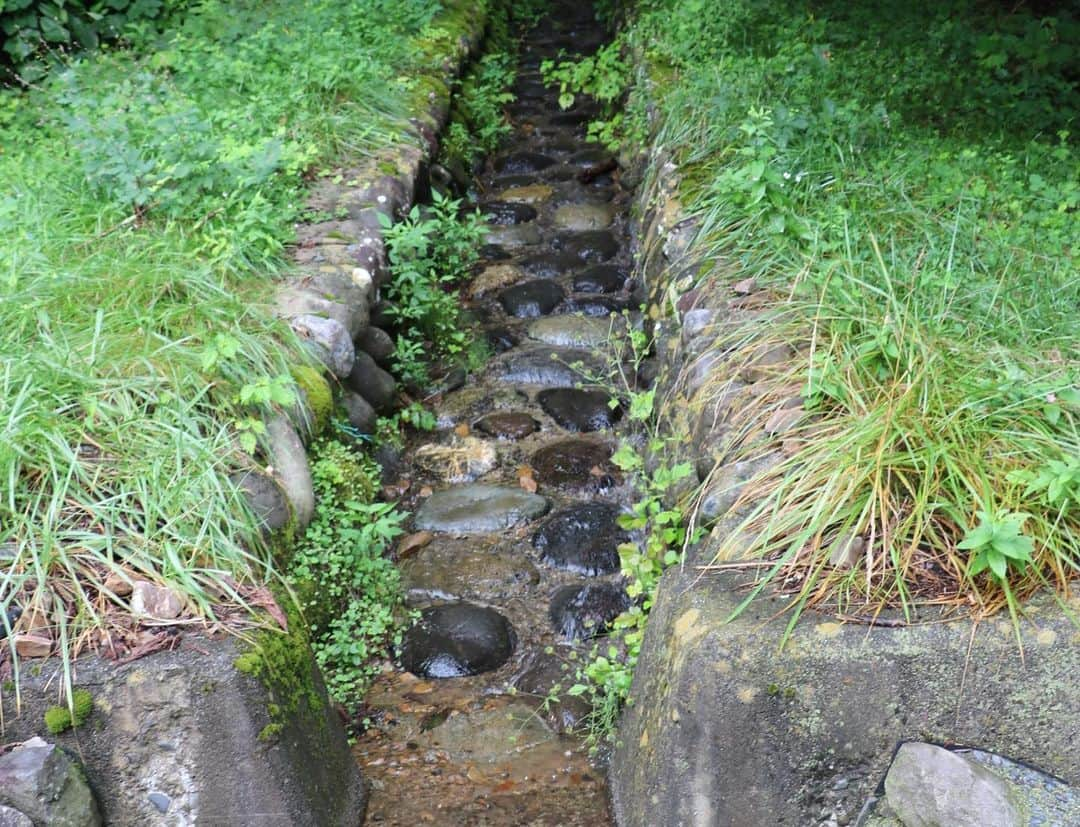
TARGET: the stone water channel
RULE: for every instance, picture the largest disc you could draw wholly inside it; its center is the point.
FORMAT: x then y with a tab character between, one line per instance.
514	562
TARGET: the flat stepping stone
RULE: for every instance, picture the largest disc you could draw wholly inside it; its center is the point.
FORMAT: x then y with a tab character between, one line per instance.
546	366
532	298
593	246
582	217
576	463
583	539
452	569
479	507
505	213
508	425
549	265
515	235
577	409
571	118
495	277
517	163
583	612
457	640
524	191
572	331
600	278
592	157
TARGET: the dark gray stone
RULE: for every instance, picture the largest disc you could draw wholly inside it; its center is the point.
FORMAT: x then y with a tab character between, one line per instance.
581	538
531	299
545	366
160	801
359	412
38	780
265	497
550	265
592	246
600	278
378	344
507	212
457	640
582	612
577	409
372	382
478	508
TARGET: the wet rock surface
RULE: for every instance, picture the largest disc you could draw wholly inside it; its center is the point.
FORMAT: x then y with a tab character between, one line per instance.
582	612
463	731
457	640
582	538
577	409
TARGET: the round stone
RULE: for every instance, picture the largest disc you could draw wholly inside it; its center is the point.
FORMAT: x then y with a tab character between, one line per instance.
531	299
549	366
596	307
508	425
452	569
592	157
549	265
582	217
507	212
592	246
479	507
573	462
577	409
500	339
582	612
583	539
573	331
457	640
601	278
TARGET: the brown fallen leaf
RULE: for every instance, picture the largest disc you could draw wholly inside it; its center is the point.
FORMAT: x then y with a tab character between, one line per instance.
263	598
528	484
744	287
412	543
597	471
462	430
426	491
118	585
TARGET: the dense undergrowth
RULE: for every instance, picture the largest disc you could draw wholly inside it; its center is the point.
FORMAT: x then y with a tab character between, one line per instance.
902	181
148	191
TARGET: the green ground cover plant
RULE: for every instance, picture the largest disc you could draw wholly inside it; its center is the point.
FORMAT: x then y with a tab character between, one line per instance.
903	183
147	194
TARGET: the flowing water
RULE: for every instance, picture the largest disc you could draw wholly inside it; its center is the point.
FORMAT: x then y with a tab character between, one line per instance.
513	561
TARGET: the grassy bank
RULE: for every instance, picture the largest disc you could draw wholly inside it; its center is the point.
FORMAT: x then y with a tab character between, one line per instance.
897	188
149	190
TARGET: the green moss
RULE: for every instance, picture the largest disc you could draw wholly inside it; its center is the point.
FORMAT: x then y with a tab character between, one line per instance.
317	391
61	718
284	664
387	168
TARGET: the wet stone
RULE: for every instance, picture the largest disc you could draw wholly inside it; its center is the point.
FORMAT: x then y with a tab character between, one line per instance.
577	409
596	307
573	463
517	163
583	217
583	539
507	212
571	331
457	640
549	265
490	252
582	612
592	157
515	235
522	190
478	508
495	277
593	246
536	681
531	299
601	278
457	569
509	425
551	367
571	118
530	90
501	340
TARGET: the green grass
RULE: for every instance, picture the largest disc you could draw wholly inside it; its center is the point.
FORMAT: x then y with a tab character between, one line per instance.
148	194
905	181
